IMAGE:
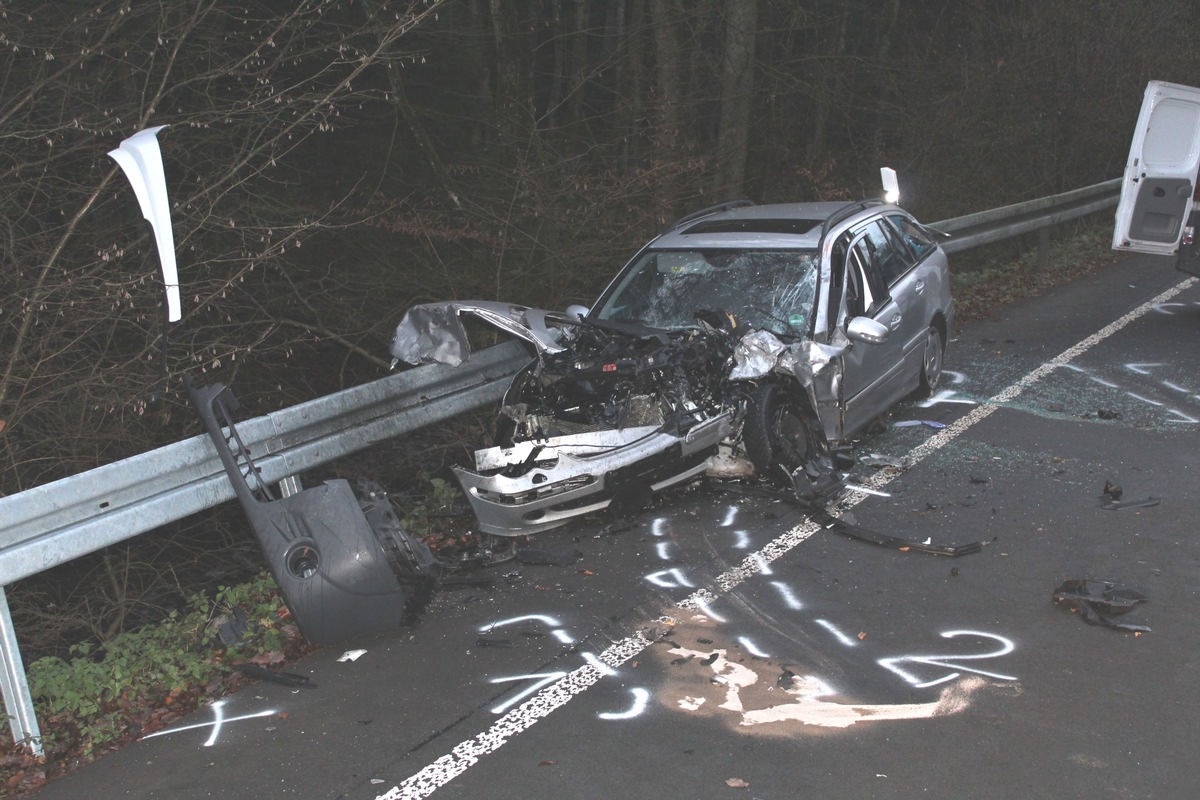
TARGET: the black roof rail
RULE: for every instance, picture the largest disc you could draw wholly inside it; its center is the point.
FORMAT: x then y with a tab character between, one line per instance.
848	210
726	206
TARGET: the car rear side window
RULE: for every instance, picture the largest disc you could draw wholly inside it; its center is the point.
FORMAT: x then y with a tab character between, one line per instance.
913	235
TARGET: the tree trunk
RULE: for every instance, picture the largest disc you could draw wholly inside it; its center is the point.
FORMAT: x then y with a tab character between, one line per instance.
737	94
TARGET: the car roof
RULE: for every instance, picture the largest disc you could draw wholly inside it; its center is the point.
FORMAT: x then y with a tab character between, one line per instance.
799	225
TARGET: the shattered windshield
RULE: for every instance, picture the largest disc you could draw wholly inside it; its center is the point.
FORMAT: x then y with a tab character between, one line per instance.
773	290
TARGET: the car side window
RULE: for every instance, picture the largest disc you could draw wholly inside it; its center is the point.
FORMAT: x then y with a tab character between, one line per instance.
866	289
893	261
913	235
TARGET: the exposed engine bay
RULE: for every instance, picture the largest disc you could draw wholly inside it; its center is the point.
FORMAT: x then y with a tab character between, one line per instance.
610	412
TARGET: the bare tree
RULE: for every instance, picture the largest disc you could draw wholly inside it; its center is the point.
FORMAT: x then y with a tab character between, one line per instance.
251	91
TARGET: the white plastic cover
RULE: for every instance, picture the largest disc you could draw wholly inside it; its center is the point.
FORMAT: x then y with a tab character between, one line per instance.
141	160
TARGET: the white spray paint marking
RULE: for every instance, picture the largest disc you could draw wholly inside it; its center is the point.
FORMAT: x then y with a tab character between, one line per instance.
848	641
445	769
950	662
656	526
672	578
1175	387
218	709
1142	369
661	548
705	607
1143	399
749	646
743	540
730	515
763	567
457	761
549	622
789	597
539	679
945	396
955	378
640	698
595	661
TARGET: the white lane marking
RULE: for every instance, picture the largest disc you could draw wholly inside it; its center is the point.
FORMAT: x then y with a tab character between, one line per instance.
424	783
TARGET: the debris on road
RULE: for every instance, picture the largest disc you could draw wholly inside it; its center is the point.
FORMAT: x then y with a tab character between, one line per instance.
737	783
878	460
913	423
351	655
1112	490
1098	600
285	678
1118	505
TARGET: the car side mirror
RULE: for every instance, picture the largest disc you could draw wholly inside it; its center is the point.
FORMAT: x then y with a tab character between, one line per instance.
867	330
576	311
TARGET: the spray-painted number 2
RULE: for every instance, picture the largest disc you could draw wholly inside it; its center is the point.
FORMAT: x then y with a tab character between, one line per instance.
951	661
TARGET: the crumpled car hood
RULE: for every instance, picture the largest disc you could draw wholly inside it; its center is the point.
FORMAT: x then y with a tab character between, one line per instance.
433	333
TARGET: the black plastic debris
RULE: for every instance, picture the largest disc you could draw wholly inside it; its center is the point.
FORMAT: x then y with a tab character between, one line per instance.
492	641
1104	413
1112	491
1098	601
879	460
232	630
847	528
1119	505
284	678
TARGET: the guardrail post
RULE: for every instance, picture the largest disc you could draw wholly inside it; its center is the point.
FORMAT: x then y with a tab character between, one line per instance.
1043	256
18	702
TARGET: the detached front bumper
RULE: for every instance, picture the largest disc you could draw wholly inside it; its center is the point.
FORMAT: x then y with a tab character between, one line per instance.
542	485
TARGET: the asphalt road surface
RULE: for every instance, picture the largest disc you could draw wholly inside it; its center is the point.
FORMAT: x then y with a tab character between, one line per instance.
725	646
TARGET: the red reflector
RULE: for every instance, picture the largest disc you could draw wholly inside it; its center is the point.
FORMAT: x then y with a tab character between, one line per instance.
609	368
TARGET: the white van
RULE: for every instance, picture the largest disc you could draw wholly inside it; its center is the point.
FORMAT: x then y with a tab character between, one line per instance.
1160	200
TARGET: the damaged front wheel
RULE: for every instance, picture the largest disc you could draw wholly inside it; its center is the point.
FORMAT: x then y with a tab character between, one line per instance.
779	433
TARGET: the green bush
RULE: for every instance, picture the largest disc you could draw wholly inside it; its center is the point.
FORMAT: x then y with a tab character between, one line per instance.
95	694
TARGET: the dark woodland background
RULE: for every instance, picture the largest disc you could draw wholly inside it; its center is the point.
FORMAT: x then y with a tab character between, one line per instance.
334	162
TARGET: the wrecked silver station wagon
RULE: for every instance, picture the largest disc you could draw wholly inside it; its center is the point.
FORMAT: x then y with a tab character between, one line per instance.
744	340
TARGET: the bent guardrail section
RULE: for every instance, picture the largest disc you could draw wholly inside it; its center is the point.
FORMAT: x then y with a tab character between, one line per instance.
57	522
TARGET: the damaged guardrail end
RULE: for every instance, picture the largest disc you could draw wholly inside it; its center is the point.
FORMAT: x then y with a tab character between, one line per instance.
344	565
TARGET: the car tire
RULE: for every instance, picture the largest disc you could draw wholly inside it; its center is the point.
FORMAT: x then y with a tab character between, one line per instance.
779	432
931	362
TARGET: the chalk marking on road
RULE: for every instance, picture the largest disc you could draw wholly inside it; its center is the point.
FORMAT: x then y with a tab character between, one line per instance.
640	698
443	770
218	709
949	662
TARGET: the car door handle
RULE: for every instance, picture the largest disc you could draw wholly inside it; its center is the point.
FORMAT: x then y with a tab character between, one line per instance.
919	287
895	323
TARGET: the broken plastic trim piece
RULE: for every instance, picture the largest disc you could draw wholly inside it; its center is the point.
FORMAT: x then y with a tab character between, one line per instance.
830	522
1119	505
1097	600
343	564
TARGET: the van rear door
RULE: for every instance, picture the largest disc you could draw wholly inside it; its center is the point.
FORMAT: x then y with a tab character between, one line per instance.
1160	175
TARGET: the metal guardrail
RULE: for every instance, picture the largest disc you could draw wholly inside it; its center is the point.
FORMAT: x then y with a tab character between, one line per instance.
60	521
66	519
